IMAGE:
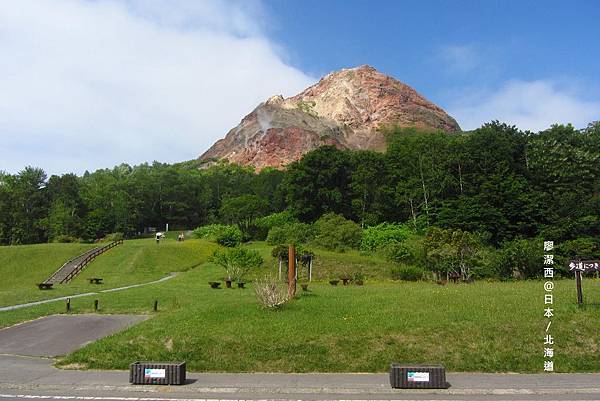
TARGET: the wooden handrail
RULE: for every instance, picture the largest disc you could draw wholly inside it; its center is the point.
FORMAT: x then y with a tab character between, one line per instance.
88	259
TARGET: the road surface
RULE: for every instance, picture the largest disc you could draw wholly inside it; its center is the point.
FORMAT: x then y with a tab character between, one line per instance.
36	378
27	372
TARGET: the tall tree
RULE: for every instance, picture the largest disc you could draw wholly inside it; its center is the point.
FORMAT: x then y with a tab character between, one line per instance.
319	183
29	206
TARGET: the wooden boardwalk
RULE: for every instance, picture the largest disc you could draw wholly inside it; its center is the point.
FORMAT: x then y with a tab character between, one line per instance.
72	267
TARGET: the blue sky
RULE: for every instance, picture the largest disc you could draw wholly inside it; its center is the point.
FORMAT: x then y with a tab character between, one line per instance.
455	52
89	84
502	40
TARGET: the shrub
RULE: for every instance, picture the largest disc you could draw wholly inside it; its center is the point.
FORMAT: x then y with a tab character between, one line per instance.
290	233
223	234
64	239
519	258
237	261
451	250
230	236
276	220
209	231
113	237
382	235
582	248
398	252
407	273
270	292
334	232
260	227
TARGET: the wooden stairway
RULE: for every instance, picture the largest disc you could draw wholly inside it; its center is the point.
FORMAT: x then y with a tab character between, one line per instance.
72	267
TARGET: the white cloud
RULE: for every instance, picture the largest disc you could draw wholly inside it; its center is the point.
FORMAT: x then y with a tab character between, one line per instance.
87	85
532	105
459	58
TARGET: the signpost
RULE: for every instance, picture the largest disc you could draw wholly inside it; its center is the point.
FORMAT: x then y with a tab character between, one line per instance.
579	267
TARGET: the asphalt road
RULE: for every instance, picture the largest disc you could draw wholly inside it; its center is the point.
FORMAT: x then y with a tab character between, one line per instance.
35	378
60	334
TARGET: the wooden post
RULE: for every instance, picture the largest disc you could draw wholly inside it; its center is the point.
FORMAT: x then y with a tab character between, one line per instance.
310	269
291	271
155	306
579	290
95	304
68	304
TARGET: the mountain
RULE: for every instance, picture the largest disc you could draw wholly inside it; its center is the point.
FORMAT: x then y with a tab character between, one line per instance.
345	109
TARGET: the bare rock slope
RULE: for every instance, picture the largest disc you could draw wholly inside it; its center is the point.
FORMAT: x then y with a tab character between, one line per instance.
345	109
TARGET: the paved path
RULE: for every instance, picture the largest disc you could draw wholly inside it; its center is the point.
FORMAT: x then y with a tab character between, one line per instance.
61	334
87	294
32	378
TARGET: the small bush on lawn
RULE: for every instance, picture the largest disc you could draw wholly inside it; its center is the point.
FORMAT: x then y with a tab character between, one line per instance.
223	234
231	236
209	231
383	235
407	273
270	292
237	262
334	232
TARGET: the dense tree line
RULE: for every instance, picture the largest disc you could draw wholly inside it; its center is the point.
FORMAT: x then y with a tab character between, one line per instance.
496	181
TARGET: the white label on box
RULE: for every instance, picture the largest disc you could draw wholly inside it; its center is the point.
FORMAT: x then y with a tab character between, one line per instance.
418	376
154	373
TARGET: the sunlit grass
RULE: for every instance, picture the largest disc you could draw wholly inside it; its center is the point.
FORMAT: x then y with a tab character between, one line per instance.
485	326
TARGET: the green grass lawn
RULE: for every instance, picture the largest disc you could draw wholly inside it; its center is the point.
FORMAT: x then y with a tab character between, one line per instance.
485	326
490	327
136	261
23	267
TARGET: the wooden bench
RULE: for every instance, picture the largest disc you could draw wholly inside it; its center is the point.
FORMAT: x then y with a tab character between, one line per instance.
95	280
45	286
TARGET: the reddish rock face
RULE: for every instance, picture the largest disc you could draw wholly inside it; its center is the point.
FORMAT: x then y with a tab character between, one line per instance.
344	109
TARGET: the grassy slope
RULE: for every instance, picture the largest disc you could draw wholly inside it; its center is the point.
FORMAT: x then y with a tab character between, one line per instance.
478	327
133	262
143	260
22	267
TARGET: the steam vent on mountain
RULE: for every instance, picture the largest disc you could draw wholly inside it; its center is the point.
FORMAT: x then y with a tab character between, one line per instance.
344	109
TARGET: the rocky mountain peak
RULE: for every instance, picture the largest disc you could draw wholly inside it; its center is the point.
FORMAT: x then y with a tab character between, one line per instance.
345	109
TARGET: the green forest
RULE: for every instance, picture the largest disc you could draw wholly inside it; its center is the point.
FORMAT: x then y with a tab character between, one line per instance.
496	187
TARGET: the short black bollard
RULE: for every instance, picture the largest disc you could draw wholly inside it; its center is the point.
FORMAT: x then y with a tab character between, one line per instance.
155	306
96	305
68	304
